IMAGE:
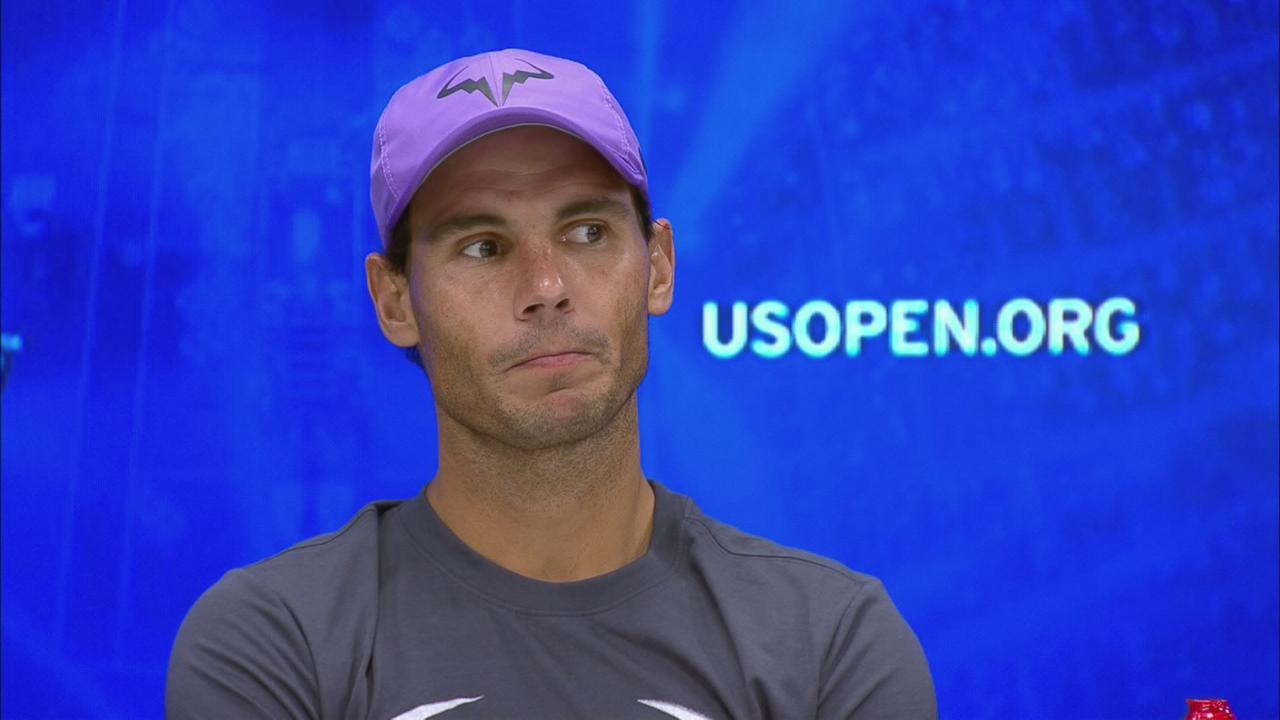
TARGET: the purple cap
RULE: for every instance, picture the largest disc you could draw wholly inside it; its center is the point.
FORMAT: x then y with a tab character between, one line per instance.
435	114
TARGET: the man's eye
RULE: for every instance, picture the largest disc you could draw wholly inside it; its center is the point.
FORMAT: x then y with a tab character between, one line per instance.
481	249
588	234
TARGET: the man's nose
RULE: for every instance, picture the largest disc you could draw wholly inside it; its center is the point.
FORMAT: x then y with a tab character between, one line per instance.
542	287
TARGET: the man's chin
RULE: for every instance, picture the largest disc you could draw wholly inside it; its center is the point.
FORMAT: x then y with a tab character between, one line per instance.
561	417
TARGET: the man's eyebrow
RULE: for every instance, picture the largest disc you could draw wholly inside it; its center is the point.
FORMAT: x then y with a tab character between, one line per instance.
463	223
602	205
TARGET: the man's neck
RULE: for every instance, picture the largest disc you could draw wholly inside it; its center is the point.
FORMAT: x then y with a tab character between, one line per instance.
560	514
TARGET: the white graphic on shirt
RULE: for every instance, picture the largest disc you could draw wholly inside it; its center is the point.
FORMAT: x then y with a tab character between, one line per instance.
422	712
676	711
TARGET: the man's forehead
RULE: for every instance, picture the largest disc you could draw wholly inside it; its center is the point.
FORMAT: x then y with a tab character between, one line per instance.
481	210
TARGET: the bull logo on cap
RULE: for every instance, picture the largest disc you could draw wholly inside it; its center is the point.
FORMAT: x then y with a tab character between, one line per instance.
481	83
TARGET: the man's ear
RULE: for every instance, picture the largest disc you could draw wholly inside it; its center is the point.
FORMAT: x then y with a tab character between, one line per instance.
389	291
662	267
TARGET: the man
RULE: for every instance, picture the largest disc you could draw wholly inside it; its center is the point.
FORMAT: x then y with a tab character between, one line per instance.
540	574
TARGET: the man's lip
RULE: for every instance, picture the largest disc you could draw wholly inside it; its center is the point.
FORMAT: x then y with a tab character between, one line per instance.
552	359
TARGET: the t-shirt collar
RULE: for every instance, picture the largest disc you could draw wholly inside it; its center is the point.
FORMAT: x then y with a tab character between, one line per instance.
504	587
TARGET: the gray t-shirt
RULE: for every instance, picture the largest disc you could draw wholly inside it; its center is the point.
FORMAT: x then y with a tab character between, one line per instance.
394	617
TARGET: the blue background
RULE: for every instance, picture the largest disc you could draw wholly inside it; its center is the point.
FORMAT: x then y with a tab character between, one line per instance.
185	210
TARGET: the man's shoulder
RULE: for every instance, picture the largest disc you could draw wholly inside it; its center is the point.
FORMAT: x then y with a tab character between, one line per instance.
768	581
302	619
866	654
301	580
327	558
759	557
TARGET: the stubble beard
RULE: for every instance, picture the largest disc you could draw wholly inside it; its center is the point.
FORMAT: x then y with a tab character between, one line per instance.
537	427
472	400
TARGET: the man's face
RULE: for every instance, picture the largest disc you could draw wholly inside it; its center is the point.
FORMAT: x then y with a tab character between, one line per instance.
529	285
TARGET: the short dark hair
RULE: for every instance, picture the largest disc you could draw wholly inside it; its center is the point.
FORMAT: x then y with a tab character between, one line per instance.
397	252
